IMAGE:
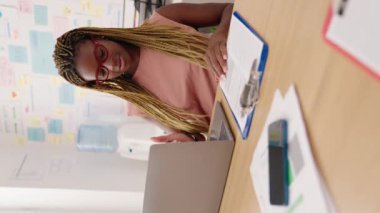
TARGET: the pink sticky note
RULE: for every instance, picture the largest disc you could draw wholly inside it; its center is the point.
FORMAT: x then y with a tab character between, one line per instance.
25	6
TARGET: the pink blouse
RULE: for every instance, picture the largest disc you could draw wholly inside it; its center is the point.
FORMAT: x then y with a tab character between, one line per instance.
174	80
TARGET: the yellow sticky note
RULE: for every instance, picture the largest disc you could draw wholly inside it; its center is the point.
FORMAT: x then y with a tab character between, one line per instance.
21	140
69	138
66	11
35	121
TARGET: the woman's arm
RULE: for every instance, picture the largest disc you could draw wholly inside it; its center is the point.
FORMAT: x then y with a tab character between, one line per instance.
195	15
204	15
180	137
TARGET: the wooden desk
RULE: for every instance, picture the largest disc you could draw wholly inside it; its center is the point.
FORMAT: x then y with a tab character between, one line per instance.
340	105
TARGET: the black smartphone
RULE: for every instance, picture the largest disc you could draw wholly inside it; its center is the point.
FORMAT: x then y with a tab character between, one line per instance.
278	169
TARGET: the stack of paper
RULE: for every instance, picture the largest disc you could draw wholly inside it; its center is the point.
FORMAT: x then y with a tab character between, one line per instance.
306	188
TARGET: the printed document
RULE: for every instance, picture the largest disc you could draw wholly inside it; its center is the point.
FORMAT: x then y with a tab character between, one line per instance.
306	188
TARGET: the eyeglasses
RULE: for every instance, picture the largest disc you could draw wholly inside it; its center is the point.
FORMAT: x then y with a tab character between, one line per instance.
101	55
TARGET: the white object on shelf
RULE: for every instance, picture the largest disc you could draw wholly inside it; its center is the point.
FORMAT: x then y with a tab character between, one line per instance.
134	137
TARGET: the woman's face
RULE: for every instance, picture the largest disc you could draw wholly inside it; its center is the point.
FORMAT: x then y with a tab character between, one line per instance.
103	59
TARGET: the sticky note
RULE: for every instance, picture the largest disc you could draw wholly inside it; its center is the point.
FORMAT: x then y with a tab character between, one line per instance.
25	6
42	47
54	139
36	134
40	14
66	94
97	138
55	126
17	54
69	137
20	140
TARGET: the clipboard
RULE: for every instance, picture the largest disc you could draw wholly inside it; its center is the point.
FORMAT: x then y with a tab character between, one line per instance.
244	46
351	30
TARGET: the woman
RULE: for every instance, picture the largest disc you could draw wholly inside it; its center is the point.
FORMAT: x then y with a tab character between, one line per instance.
160	67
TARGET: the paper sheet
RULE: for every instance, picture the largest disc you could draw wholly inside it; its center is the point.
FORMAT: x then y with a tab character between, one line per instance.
306	188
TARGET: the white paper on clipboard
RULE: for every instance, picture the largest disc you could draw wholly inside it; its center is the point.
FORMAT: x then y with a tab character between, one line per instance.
244	46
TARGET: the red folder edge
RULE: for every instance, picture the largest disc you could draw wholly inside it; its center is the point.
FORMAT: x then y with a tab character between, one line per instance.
343	51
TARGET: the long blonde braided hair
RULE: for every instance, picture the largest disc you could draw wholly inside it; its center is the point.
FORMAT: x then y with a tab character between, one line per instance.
172	40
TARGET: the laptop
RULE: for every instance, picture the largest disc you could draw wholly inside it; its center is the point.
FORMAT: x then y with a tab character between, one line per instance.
189	177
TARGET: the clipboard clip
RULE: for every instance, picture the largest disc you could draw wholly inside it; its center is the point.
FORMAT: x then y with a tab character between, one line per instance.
339	6
250	95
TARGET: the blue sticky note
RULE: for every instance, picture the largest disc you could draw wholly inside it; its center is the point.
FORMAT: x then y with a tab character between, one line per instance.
40	14
66	94
41	48
36	134
55	126
97	138
17	54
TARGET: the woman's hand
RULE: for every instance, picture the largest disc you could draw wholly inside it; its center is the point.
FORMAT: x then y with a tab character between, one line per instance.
181	137
216	54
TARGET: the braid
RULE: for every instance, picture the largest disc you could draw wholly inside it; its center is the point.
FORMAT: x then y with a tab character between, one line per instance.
172	40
